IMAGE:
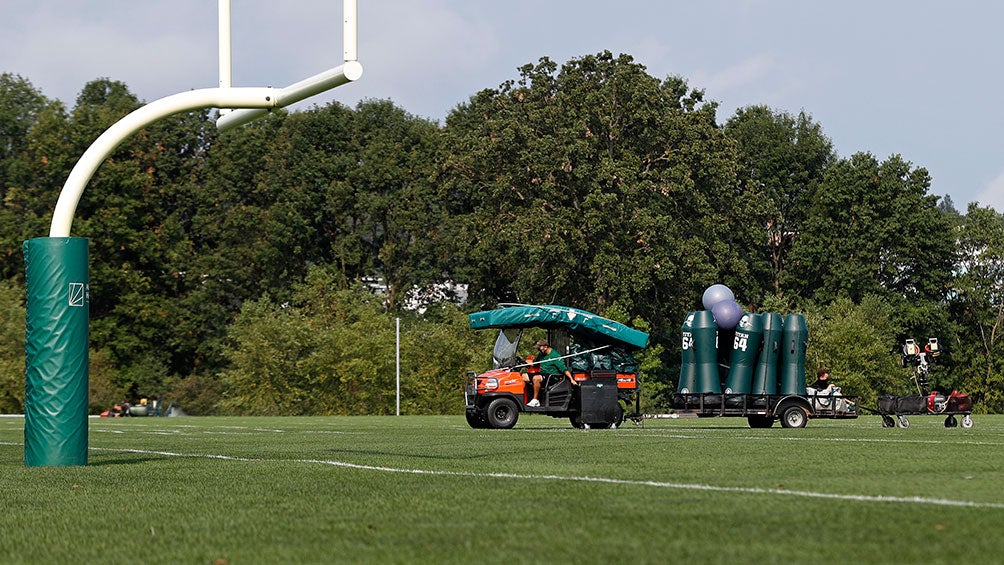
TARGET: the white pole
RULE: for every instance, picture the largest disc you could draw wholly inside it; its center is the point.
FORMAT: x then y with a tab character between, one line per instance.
226	66
398	364
349	30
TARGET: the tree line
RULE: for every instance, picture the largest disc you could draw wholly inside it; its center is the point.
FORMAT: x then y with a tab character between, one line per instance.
235	272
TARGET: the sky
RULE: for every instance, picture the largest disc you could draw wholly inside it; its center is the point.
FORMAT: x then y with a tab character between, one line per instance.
919	78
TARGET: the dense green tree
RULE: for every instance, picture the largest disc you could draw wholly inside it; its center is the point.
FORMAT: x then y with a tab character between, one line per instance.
11	348
594	185
20	105
134	211
351	187
223	229
271	346
332	351
37	157
397	214
873	229
856	341
782	158
591	184
979	305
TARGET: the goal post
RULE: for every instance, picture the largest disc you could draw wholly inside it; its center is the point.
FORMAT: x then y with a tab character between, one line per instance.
56	267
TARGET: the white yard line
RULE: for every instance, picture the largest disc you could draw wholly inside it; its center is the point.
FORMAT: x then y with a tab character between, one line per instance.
826	439
586	479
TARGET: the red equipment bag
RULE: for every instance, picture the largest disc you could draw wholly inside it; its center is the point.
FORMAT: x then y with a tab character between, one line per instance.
959	402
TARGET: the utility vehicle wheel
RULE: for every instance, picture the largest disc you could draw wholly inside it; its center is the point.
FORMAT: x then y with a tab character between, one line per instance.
888	422
575	421
502	413
967	421
903	422
951	422
760	421
476	419
794	417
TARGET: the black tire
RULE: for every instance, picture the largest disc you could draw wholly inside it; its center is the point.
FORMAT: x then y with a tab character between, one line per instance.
502	413
794	417
888	422
951	422
575	421
760	421
476	419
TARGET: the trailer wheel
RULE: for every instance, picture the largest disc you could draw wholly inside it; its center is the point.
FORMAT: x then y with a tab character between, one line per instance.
967	421
794	417
903	422
888	422
575	421
760	421
502	413
951	422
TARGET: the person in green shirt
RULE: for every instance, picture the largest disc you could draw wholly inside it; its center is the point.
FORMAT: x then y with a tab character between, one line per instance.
550	363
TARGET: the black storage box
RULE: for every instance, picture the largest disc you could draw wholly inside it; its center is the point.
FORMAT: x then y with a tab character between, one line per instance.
598	401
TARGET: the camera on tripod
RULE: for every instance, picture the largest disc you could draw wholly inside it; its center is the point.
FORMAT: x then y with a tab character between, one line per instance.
921	357
915	355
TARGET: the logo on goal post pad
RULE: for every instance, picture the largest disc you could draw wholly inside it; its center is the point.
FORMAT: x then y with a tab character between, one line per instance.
78	294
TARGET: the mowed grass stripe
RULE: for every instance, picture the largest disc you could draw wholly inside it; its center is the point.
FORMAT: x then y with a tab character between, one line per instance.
430	489
607	480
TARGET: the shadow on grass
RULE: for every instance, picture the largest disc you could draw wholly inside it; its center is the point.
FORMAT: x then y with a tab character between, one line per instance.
130	460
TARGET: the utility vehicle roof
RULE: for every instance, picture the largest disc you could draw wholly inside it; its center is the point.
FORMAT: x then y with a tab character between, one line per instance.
550	316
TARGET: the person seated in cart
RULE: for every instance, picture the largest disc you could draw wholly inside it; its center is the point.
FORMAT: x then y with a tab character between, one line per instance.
822	384
550	363
823	387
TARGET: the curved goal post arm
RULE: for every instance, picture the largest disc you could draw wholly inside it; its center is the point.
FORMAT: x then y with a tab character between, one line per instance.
254	103
251	103
69	197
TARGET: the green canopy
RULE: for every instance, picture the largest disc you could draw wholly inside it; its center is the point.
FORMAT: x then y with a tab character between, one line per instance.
550	317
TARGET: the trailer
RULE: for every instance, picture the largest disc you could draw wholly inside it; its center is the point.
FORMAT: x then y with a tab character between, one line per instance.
760	410
895	409
926	402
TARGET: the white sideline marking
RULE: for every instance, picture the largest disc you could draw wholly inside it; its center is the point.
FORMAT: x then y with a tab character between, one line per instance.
830	439
657	484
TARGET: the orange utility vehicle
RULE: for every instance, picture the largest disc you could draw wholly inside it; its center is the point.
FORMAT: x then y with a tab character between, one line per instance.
595	350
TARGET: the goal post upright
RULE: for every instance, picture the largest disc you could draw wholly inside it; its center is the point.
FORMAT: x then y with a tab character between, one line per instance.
349	71
226	65
57	298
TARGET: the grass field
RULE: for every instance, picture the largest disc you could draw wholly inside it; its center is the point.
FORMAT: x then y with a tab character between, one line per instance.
430	489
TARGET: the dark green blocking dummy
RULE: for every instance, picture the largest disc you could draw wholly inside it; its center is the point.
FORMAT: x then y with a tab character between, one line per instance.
688	368
706	352
56	351
793	340
765	374
745	349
